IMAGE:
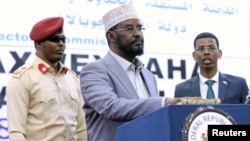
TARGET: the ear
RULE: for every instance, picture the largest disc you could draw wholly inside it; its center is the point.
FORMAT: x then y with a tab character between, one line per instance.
220	54
194	57
39	44
111	37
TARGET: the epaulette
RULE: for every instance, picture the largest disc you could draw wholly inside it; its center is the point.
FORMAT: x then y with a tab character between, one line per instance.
71	71
18	72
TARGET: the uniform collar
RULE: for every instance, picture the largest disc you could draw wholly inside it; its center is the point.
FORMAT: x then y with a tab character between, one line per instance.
44	67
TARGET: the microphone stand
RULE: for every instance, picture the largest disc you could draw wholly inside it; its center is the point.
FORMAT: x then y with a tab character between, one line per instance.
247	99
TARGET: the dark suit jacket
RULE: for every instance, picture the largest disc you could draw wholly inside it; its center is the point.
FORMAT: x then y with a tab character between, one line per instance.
232	89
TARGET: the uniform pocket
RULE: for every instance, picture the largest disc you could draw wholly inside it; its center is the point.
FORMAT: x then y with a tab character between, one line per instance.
74	103
46	105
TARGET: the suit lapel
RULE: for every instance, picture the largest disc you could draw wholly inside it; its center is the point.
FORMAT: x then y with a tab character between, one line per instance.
149	82
223	85
115	68
195	86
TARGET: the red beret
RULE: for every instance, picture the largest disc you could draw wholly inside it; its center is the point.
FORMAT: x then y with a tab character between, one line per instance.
46	28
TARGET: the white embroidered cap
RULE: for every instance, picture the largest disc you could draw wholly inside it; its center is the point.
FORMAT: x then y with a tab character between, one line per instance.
118	15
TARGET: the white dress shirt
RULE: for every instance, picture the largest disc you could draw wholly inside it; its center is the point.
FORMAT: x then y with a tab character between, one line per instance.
133	71
204	86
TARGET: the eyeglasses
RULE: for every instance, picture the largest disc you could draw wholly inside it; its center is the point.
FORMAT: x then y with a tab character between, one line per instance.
57	39
130	30
202	48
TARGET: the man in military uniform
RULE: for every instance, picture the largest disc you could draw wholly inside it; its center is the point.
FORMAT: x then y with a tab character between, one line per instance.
44	102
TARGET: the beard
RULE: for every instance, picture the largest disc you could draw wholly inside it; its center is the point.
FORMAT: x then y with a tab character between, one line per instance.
133	48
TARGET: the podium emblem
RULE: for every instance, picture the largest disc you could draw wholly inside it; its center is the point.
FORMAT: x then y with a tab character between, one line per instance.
196	125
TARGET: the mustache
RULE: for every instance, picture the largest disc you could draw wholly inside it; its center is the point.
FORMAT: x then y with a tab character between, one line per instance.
137	40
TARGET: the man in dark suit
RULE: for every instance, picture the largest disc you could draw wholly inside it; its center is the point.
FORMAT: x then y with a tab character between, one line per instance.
228	88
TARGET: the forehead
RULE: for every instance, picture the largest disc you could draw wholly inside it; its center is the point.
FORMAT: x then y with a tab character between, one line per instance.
205	41
132	22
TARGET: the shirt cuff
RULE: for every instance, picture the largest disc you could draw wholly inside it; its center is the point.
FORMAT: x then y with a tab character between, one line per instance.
163	101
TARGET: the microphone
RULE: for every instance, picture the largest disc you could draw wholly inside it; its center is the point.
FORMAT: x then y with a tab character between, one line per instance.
247	99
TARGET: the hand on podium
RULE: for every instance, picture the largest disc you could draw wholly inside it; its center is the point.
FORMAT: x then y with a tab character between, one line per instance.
170	101
183	100
199	100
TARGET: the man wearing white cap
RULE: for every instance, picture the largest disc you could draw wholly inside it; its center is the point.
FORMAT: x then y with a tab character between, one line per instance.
117	88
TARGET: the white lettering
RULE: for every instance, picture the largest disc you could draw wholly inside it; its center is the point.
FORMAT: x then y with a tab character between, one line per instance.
230	133
215	132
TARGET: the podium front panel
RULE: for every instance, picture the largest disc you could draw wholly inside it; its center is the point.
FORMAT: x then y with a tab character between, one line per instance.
166	124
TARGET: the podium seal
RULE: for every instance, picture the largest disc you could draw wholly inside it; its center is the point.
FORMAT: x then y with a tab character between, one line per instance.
196	125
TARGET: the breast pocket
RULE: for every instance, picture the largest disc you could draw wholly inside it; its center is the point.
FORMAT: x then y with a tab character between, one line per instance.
74	103
46	104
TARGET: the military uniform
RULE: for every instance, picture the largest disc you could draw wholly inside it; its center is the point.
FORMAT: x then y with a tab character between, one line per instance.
45	106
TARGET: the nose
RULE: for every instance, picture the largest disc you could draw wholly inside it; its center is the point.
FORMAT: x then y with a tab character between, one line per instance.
137	32
61	43
206	49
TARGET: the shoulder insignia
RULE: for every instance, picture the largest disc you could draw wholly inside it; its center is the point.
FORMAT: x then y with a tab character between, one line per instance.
73	72
43	68
18	73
